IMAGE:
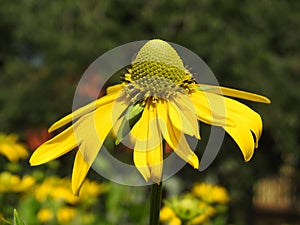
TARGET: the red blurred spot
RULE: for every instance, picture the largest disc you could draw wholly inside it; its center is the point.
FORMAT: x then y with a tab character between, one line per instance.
91	86
36	136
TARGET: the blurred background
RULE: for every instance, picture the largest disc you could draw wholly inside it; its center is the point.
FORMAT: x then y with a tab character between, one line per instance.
253	45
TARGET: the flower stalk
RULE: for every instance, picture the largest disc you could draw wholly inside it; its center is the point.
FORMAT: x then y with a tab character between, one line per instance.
155	203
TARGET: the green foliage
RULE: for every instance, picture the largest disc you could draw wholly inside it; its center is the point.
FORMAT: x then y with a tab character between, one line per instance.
17	218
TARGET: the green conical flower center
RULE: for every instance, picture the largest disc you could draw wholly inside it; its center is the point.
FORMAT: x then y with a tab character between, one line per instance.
158	58
157	72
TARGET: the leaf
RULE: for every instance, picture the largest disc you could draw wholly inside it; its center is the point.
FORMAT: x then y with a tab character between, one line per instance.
17	219
132	113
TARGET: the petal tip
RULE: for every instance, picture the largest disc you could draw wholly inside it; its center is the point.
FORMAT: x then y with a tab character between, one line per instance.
247	158
33	161
268	101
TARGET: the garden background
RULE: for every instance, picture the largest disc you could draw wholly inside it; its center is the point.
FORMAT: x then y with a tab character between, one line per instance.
45	47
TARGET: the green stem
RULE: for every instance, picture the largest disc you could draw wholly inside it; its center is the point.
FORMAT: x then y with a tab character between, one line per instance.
155	203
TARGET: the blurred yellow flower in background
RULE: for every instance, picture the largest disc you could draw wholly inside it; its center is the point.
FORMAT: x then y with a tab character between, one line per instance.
58	203
13	183
11	148
45	215
59	189
166	213
195	209
65	214
175	221
211	193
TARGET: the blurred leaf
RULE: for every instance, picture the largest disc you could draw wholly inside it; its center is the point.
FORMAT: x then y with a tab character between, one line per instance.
6	222
17	218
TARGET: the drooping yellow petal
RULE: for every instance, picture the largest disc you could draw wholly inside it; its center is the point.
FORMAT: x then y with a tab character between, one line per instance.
245	115
141	133
211	109
234	93
80	170
73	136
243	137
244	119
55	147
86	109
236	112
98	127
174	137
183	114
155	153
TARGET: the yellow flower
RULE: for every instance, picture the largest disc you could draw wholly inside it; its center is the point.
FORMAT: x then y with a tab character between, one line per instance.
13	183
45	215
198	220
175	221
158	88
92	189
166	213
11	148
59	190
210	193
65	214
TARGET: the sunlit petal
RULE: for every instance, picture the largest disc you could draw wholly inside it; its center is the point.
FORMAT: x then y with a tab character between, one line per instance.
155	152
245	115
183	115
98	126
80	170
114	88
85	109
55	147
234	93
243	137
141	133
174	137
211	109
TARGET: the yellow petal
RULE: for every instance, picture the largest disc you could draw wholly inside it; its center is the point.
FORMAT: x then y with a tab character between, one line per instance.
243	137
85	109
211	109
141	133
97	128
183	115
155	153
114	88
174	137
244	119
80	170
95	125
55	147
235	93
245	115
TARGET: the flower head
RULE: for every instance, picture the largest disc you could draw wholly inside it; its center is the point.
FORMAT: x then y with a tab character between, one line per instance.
165	101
